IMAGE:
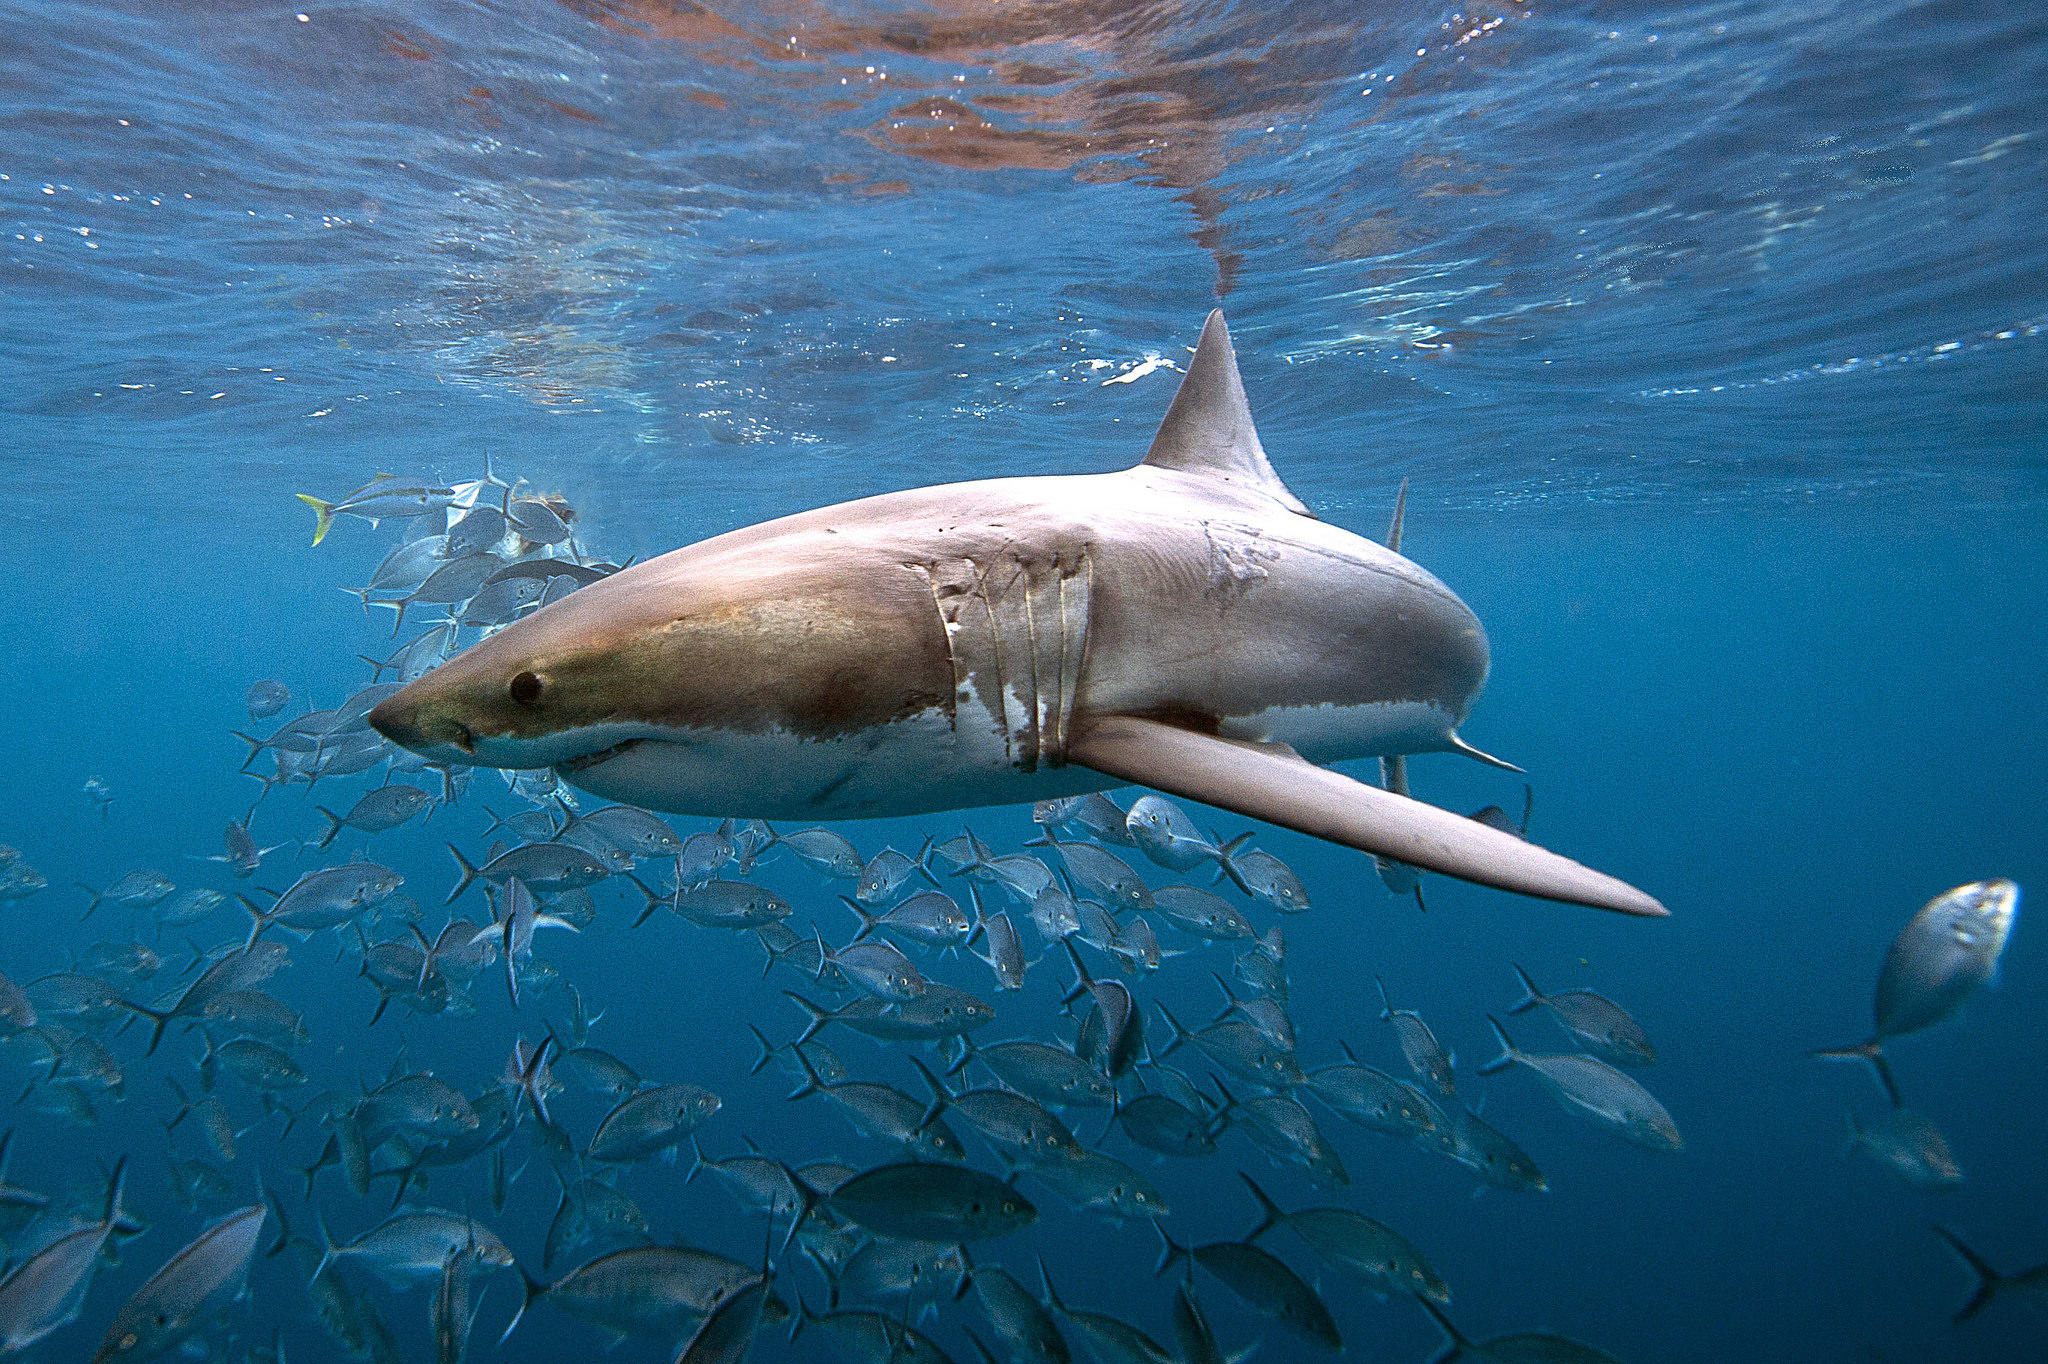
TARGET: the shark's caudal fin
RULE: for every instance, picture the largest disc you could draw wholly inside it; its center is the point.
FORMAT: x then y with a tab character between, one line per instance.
1208	429
1284	789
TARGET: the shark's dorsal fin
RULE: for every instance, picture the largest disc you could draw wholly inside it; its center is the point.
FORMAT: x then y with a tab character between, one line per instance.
1208	430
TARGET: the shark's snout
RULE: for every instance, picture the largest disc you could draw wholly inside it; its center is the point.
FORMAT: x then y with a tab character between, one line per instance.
414	723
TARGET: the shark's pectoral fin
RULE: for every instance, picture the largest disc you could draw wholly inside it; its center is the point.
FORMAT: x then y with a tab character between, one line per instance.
1252	779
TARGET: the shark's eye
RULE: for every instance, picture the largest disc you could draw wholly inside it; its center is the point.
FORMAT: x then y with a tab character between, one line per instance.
525	688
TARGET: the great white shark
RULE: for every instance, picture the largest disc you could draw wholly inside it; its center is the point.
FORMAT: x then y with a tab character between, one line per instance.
1185	624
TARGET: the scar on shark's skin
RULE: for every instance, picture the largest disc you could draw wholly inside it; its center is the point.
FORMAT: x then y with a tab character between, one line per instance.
1184	624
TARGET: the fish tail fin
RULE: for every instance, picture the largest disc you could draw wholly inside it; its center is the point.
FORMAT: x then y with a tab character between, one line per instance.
808	1199
767	1051
696	1160
530	1288
159	1020
1459	1344
1872	1052
1507	1050
654	901
868	922
320	1163
1180	1035
1269	1212
113	1214
1531	996
967	1053
812	1084
334	823
323	515
257	921
1052	1297
1229	999
1989	1280
1226	861
284	1225
326	1242
91	905
1171	1252
942	1097
1227	1108
1386	1005
468	874
819	1017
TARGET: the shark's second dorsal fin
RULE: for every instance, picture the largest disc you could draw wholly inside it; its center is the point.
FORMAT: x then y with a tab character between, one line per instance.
1209	431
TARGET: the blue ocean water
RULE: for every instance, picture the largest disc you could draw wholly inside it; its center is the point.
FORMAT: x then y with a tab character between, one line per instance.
1707	336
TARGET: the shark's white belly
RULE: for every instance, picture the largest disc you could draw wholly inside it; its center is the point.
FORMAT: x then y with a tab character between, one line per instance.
929	762
934	761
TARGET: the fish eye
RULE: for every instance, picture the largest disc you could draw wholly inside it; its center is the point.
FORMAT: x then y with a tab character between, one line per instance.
525	688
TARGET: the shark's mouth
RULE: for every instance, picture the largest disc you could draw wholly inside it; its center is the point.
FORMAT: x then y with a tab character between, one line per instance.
587	761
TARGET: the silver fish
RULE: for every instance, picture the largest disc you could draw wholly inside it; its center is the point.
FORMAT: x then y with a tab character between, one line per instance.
730	904
651	1122
930	918
1004	953
920	1201
411	1246
885	874
1019	1320
1114	1341
878	968
1910	1147
1263	1281
136	890
265	699
886	1114
1199	912
1600	1025
1352	1241
387	807
1098	1183
658	1291
1167	1126
1022	1132
547	868
822	851
1492	1156
1093	816
1419	1047
1164	833
635	830
1240	1048
1589	1087
181	1298
1102	873
46	1290
884	1267
1264	877
1938	960
1287	1133
1052	1075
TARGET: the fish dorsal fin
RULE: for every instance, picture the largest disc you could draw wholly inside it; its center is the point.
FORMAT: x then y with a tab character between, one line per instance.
1208	429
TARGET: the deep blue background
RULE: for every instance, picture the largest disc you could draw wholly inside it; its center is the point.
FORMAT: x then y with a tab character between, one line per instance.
1736	447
